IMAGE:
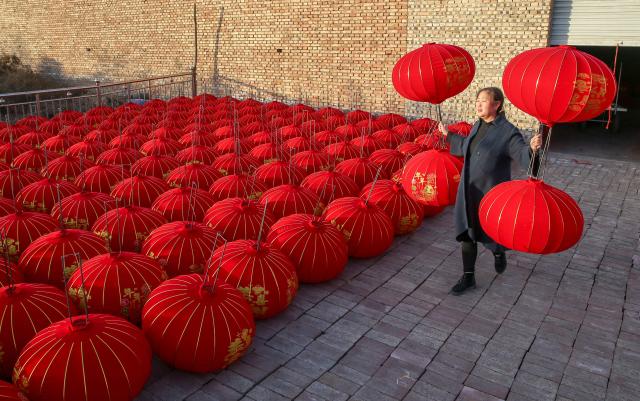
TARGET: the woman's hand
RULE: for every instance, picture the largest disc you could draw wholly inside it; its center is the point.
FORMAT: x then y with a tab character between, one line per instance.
536	142
443	129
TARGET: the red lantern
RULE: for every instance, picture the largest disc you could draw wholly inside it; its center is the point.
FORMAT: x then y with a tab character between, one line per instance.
198	137
197	154
101	178
231	145
237	186
34	159
32	122
10	132
127	141
27	308
311	161
154	166
33	139
125	228
119	156
367	229
19	229
111	361
68	117
188	204
409	131
116	283
202	175
341	151
139	128
329	111
388	138
406	214
167	132
559	84
139	190
16	274
316	247
288	132
238	218
101	135
233	163
59	143
263	274
260	137
89	150
330	185
296	145
160	147
325	138
82	209
41	195
391	120
65	168
279	172
367	144
432	177
355	116
13	180
389	159
433	73
41	261
360	169
197	326
182	247
268	152
9	392
9	151
348	131
461	128
410	149
531	216
287	199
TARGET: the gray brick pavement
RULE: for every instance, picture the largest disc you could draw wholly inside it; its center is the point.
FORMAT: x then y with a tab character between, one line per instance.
555	327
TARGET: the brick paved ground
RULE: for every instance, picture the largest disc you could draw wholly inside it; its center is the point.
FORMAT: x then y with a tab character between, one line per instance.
558	327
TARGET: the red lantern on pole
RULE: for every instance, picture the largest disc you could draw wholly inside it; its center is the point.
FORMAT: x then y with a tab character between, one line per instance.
287	199
311	161
13	180
125	228
43	194
41	261
89	150
154	166
160	147
139	190
406	214
233	163
263	274
341	151
182	247
238	218
185	176
183	204
559	84
60	143
433	73
315	246
114	355
82	209
197	326
9	151
197	154
101	178
237	186
34	159
27	308
330	185
390	160
65	168
531	216
116	283
360	169
119	156
22	228
432	177
278	173
367	229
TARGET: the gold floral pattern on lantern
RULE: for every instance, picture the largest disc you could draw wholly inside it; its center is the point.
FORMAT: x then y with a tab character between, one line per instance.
79	296
257	298
238	346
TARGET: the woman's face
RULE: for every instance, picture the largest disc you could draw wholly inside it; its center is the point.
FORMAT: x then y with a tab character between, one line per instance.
486	107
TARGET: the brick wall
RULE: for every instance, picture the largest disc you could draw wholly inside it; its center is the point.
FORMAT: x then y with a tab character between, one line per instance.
328	52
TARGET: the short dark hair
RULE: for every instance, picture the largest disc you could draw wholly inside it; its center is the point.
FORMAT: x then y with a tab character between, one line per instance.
496	95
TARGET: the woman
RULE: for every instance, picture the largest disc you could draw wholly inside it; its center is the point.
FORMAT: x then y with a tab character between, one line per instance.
488	151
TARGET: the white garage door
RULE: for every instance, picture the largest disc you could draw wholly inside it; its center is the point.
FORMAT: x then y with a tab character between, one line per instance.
595	22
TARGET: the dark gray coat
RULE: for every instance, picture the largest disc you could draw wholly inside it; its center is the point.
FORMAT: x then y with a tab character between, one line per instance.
488	167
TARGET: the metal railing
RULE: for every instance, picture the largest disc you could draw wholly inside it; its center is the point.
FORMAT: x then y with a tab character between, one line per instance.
47	103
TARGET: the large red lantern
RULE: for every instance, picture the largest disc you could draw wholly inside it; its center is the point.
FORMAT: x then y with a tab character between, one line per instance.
268	152
182	247
34	159
9	151
315	246
237	186
531	216
197	154
160	147
340	151
82	209
125	228
20	229
279	172
102	136
367	229
139	190
559	84
287	199
65	168
198	326
155	166
104	358
238	218
117	283
432	177
27	308
202	175
119	156
360	169
311	161
233	163
43	194
406	214
101	178
433	73
89	150
390	160
183	204
41	261
263	274
60	143
14	179
330	185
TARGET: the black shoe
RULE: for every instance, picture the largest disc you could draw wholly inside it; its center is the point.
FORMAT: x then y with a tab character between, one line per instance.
468	280
501	262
